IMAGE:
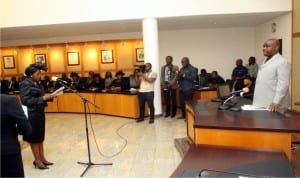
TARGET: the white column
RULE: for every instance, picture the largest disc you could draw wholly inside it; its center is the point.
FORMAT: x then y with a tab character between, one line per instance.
150	38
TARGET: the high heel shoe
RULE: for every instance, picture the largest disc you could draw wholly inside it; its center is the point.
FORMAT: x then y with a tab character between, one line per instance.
39	166
47	163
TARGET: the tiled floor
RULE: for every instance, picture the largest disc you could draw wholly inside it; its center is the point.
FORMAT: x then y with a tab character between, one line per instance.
149	149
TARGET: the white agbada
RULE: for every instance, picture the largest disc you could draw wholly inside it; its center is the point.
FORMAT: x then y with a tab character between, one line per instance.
272	83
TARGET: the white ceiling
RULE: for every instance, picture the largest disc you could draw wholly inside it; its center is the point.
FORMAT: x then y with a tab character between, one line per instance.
124	26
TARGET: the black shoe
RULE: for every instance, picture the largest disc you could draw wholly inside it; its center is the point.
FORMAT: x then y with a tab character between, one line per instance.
151	121
47	163
139	120
167	115
181	117
173	115
42	166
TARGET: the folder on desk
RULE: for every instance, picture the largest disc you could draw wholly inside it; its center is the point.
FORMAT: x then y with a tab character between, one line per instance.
253	108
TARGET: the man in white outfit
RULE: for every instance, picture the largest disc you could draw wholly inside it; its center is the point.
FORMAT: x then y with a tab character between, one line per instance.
273	80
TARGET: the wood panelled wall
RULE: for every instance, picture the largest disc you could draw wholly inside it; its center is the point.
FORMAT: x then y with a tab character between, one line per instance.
89	53
296	55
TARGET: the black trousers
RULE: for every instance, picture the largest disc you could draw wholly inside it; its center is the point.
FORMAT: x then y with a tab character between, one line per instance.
186	95
149	98
12	165
170	101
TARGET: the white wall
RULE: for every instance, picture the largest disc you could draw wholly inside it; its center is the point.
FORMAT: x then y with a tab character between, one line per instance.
217	49
284	31
213	49
15	13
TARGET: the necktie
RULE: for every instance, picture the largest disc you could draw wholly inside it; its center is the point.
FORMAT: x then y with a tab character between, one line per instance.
267	60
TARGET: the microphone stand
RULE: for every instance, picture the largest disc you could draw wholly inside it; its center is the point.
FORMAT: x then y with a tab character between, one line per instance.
85	101
225	105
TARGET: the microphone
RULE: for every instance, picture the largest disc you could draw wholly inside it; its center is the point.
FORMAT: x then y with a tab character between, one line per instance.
241	92
226	105
55	78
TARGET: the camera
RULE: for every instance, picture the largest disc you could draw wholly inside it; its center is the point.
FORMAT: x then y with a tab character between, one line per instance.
140	68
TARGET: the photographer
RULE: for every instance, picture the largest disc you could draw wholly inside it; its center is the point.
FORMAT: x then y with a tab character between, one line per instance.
146	91
33	96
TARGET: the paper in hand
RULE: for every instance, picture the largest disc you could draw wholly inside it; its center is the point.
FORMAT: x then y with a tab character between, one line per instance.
58	91
25	109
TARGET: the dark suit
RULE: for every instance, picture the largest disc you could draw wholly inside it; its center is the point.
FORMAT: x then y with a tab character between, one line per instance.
169	85
32	96
13	122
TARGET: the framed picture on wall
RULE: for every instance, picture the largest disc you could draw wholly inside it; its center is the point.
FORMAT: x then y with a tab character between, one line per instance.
73	58
8	62
107	56
40	58
139	54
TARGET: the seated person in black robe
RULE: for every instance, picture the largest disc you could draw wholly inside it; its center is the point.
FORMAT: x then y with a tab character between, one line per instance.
75	81
89	80
215	79
204	78
120	83
97	83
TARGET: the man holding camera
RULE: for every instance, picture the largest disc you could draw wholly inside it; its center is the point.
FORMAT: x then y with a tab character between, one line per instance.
146	91
169	85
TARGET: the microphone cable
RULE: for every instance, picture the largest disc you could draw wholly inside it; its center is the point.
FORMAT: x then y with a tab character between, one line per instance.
117	131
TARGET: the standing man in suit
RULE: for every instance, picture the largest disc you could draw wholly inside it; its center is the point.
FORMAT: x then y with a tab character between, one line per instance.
238	75
273	79
169	85
186	77
13	122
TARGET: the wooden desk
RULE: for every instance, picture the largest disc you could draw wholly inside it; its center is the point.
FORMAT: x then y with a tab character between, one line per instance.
116	104
201	94
198	95
273	163
251	129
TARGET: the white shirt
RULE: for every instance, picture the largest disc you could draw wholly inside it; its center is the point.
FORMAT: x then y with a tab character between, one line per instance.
146	86
167	74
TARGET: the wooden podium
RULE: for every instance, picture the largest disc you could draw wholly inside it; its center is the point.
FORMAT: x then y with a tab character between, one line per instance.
208	125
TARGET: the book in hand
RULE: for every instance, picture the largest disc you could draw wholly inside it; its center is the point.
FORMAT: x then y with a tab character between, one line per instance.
58	91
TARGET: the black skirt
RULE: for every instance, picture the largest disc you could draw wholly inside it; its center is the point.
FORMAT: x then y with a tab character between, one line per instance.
37	120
